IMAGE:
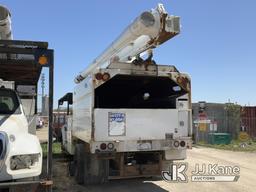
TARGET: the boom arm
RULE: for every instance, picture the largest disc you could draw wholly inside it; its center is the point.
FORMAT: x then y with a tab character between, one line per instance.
147	31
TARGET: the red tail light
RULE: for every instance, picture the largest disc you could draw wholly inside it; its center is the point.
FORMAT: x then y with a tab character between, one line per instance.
98	76
182	143
105	76
103	146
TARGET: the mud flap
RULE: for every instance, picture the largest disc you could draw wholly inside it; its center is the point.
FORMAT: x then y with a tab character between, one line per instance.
79	162
96	170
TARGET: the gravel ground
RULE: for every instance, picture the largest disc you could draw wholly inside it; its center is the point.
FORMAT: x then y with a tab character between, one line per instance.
246	182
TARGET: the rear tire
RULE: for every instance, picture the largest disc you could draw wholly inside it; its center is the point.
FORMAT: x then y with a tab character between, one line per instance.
88	168
71	168
96	170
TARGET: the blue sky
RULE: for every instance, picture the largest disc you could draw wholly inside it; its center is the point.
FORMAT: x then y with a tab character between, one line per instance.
217	46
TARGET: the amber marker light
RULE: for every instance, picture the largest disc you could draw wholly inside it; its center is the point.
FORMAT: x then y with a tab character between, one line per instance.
43	60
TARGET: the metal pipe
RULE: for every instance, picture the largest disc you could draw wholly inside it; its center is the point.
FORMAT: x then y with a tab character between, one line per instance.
5	24
50	130
16	183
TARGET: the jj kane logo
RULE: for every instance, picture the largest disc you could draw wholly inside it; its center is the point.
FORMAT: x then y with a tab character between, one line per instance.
215	173
201	173
176	173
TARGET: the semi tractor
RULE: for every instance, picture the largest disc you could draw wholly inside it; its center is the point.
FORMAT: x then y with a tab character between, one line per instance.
21	63
130	116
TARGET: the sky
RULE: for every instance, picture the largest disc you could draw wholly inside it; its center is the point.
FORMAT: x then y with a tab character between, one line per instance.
217	44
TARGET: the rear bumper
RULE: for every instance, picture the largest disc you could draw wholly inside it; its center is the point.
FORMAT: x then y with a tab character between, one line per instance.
141	145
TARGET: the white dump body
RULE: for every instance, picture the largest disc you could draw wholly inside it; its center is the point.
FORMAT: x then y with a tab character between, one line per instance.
82	110
127	127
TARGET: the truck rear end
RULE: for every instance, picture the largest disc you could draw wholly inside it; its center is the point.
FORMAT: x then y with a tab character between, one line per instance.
136	117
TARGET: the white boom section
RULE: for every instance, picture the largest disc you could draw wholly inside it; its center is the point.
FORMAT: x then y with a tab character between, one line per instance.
146	32
5	24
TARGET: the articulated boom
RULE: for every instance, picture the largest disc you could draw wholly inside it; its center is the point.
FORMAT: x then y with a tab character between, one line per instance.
147	31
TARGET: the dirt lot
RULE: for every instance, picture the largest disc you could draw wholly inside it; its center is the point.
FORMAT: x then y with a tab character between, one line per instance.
42	134
246	182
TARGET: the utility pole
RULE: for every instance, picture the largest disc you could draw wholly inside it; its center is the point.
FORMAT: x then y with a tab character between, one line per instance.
43	86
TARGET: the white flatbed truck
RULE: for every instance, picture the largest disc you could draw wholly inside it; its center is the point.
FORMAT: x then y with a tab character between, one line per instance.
130	117
21	63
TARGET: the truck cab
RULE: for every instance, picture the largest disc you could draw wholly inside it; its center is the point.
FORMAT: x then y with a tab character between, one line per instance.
21	64
20	152
20	70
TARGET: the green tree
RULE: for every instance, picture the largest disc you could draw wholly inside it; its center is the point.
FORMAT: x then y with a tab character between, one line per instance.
233	118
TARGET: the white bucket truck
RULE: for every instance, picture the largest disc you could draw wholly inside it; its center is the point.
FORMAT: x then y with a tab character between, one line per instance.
130	116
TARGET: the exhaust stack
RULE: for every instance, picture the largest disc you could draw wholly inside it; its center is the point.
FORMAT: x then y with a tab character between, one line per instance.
5	24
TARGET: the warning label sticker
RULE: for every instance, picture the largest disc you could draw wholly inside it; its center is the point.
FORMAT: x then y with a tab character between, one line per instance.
116	124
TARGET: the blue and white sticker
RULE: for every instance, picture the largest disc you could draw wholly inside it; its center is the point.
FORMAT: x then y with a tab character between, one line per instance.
116	124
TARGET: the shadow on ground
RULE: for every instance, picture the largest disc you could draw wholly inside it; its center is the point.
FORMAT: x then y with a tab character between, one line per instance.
62	182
